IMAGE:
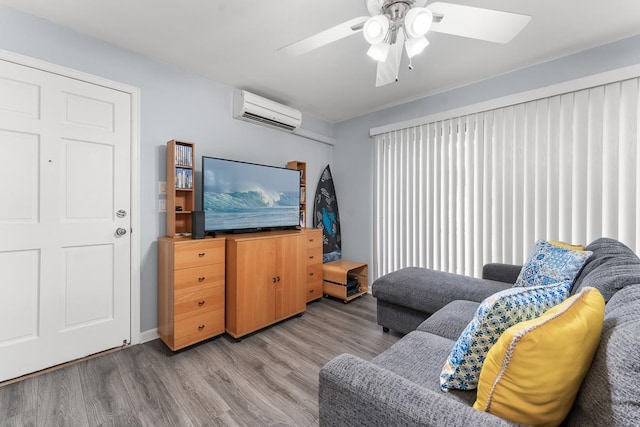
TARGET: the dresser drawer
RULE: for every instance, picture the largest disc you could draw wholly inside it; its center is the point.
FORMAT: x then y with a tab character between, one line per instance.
314	272
189	304
197	254
314	256
314	290
197	328
190	279
314	238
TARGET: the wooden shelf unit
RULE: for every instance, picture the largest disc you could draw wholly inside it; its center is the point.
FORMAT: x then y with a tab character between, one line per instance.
191	288
180	189
336	275
302	168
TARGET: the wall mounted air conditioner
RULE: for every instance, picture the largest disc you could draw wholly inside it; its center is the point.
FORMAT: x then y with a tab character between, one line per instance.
256	109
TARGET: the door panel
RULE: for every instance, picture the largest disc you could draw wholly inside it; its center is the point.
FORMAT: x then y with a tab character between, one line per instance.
19	173
89	286
290	292
256	268
64	272
89	170
20	98
19	288
86	111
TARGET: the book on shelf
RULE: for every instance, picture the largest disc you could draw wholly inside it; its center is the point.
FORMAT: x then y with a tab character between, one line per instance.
184	178
184	155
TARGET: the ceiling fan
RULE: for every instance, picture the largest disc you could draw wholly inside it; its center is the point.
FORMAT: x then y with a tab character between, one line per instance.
397	23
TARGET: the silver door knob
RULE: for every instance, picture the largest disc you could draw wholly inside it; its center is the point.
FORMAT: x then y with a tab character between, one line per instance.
121	231
121	213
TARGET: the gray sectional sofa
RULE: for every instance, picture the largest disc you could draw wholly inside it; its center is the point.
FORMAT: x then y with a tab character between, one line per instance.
400	387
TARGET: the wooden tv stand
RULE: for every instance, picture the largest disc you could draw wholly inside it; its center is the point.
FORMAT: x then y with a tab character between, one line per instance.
235	283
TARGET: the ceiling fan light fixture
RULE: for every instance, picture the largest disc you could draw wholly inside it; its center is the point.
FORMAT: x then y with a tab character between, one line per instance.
414	46
417	21
375	29
379	51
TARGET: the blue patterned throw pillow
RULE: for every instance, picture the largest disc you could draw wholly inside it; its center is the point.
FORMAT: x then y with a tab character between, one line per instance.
495	314
550	263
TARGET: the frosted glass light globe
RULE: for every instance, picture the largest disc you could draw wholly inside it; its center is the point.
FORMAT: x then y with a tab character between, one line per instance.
418	21
415	46
379	51
375	29
422	23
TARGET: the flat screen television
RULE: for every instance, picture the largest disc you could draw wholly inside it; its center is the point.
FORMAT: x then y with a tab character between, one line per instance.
239	196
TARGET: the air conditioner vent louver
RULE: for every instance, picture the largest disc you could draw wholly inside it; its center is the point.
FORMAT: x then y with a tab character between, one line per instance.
256	118
256	109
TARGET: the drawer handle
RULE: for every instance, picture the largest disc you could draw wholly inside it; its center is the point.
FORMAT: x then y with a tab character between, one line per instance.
311	274
201	327
201	254
200	303
201	279
310	240
311	291
278	278
274	280
310	256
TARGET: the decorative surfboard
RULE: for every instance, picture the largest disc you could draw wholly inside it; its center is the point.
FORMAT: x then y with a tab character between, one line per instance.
326	216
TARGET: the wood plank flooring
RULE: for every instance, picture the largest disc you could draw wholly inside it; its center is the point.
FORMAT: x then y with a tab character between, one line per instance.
269	378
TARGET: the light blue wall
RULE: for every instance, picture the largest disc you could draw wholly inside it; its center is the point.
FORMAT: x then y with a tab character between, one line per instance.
353	155
174	104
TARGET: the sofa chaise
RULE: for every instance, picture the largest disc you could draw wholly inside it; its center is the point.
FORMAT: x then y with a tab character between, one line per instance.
401	385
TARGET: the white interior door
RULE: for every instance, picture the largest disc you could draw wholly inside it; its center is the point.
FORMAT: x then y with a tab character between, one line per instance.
65	183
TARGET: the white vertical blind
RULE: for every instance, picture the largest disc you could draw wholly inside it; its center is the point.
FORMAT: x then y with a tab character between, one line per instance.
457	193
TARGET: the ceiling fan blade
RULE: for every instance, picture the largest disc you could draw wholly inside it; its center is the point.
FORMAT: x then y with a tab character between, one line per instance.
387	71
477	23
325	37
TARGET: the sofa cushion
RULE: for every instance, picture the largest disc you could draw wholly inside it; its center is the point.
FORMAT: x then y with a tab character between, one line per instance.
609	394
548	263
418	357
532	375
397	317
608	246
603	250
429	290
450	320
494	315
501	272
610	273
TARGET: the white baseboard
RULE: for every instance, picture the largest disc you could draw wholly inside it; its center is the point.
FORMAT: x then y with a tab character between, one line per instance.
149	335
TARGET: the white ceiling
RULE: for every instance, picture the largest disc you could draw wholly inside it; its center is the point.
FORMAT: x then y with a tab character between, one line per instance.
235	42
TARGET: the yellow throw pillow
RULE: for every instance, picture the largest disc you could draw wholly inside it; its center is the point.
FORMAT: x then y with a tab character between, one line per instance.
567	245
533	373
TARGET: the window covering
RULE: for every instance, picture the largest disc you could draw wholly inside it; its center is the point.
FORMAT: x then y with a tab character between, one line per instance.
456	193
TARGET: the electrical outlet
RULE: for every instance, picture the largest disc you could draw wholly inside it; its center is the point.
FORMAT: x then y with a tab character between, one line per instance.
162	187
163	205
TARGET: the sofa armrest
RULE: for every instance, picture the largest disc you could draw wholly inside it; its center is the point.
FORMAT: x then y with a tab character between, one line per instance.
498	272
355	392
